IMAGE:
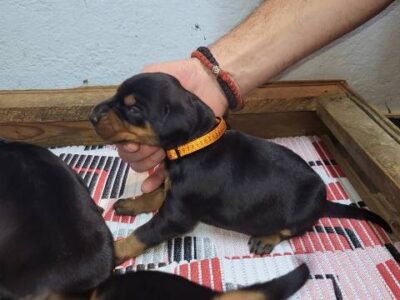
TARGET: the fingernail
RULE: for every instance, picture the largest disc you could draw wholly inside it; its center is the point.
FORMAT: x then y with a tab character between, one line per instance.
131	147
145	187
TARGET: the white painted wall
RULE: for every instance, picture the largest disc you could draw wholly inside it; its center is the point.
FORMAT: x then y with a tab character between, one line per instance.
52	44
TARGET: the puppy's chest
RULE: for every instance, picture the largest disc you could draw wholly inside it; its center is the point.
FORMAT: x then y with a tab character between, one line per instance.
181	176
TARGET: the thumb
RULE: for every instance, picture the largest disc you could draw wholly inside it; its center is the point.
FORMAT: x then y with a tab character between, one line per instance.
154	180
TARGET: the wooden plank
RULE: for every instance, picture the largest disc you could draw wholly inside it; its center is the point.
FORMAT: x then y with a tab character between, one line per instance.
59	117
373	113
60	133
51	133
285	96
279	124
361	182
392	115
51	105
56	97
75	104
370	141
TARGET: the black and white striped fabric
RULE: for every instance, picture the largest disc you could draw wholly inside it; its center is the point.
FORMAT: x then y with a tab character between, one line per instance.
348	259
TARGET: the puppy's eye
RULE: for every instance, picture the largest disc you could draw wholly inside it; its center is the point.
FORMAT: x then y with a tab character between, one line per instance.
133	109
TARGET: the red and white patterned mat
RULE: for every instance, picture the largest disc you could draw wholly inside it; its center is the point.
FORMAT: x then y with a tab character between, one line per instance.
348	259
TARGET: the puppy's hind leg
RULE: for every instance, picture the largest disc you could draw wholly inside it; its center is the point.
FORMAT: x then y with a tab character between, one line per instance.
171	220
265	244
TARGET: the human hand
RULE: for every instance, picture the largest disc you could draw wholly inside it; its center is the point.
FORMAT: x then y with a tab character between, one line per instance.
194	77
142	158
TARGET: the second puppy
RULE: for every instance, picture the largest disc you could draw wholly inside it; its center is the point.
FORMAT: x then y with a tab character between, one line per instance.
153	285
52	234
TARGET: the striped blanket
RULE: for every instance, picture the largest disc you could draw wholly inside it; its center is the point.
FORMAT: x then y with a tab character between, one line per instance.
348	259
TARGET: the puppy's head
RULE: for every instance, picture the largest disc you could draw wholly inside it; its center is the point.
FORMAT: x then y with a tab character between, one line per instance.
152	109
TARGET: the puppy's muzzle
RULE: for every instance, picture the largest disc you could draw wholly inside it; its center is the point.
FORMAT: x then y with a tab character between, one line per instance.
98	112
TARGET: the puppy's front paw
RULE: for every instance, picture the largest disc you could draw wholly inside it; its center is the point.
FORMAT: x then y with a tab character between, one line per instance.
119	258
128	248
260	245
125	207
265	244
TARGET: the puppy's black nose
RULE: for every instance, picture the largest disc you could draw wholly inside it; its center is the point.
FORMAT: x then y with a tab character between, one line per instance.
93	118
98	112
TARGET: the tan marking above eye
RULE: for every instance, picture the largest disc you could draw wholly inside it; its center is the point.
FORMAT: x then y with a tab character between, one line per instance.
129	100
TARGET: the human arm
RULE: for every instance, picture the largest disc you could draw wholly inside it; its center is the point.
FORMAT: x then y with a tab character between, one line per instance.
282	32
275	36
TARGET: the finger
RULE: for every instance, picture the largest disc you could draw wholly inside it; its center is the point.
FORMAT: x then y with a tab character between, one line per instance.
154	180
149	161
131	147
142	153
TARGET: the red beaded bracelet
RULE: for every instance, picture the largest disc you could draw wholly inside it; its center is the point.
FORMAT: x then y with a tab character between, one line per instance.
225	80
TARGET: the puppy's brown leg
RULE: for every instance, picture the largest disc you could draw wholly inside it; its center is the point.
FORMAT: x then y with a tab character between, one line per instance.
128	248
172	219
241	295
143	204
265	244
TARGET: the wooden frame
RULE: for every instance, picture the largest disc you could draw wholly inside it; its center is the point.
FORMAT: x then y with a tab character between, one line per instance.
366	143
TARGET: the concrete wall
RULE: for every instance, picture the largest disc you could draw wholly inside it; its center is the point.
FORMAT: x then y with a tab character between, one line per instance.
64	43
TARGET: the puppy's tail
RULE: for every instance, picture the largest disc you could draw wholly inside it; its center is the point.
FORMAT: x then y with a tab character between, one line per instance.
279	288
338	210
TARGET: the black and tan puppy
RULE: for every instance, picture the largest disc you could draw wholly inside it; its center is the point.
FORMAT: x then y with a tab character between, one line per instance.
157	285
154	285
239	182
52	234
